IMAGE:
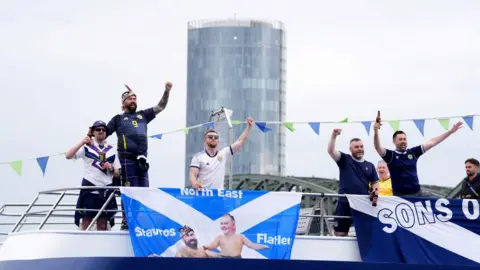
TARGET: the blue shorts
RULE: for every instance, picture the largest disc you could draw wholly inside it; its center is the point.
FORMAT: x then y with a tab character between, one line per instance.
89	200
343	209
132	175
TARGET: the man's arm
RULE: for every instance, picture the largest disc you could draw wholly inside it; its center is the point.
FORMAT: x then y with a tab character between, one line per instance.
253	246
237	146
433	142
376	140
331	145
112	126
116	167
193	177
213	245
73	151
163	102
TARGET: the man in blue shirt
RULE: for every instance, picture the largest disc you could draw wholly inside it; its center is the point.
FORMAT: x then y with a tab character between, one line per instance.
132	140
402	163
356	175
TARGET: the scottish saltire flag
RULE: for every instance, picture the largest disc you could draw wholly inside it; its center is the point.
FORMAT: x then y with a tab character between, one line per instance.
417	230
172	222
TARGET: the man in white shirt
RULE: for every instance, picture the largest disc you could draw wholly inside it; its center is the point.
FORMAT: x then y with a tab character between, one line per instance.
101	164
207	169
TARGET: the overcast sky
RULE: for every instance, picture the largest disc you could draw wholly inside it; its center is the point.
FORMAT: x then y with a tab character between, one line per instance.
63	65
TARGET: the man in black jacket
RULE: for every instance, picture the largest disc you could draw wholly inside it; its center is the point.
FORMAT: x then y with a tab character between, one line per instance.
471	183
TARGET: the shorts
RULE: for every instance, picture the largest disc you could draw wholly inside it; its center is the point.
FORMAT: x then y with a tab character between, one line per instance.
132	175
88	199
343	209
95	201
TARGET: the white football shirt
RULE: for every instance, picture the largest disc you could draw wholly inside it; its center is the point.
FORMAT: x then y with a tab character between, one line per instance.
211	169
93	172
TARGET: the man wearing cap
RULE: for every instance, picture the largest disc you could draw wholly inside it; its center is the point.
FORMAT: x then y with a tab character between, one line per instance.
132	141
101	164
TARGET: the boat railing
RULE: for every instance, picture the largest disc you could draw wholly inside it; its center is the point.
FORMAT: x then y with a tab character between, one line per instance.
314	220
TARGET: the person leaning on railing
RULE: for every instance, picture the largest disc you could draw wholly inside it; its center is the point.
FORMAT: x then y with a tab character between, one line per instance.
100	165
471	183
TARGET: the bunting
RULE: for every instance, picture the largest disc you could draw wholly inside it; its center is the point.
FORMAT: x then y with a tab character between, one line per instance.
265	126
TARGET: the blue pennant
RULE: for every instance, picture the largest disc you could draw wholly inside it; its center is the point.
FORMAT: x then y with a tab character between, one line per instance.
209	124
315	126
42	162
420	123
367	125
157	136
263	126
469	121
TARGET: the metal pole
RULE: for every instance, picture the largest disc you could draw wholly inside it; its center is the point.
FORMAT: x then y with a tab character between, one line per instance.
51	210
25	213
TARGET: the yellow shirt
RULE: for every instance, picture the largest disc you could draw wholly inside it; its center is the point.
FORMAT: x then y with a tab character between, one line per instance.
385	187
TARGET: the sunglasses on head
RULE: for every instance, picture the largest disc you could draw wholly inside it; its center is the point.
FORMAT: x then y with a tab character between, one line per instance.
213	137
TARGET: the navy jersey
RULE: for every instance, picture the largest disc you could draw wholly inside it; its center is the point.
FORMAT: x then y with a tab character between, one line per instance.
403	169
355	176
471	189
131	130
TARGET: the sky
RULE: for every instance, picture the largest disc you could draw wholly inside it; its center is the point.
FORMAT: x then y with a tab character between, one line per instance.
63	65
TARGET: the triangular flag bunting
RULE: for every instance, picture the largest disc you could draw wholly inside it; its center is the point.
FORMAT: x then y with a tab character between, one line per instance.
186	130
344	120
315	126
236	122
209	124
263	126
157	136
420	123
469	121
444	123
289	125
42	162
367	125
17	166
395	124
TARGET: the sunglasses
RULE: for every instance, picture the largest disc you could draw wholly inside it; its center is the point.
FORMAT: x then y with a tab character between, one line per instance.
211	137
100	129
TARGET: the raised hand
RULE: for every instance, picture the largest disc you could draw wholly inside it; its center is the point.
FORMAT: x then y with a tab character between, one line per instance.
87	140
249	122
456	127
168	86
337	131
376	126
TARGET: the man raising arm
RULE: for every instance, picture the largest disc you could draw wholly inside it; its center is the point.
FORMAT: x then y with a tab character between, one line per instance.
207	169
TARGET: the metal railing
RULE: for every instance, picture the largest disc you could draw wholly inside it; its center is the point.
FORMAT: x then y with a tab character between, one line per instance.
324	204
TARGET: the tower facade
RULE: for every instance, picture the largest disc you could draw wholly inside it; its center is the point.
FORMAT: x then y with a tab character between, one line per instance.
239	65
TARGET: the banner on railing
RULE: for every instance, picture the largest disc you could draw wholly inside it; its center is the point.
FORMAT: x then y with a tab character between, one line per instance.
417	230
169	222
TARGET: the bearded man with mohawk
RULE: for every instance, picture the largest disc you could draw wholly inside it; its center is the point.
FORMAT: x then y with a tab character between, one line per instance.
132	139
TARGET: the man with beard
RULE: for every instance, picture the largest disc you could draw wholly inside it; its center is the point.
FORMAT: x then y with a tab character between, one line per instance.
190	250
132	141
101	164
402	163
471	183
356	176
207	169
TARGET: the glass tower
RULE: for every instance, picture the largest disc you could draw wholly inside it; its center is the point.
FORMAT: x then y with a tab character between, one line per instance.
239	65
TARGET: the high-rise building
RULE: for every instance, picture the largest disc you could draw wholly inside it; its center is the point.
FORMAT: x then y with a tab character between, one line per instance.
239	65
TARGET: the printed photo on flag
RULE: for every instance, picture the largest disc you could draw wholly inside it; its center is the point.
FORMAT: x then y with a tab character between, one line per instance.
168	222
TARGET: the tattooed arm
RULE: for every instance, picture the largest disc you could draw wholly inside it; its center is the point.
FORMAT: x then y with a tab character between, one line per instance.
163	102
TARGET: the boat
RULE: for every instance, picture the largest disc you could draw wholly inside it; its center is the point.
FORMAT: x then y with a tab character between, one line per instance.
43	236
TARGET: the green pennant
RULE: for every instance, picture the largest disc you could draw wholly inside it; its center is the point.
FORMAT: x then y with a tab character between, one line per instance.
17	166
395	124
445	123
236	122
186	130
344	120
289	125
